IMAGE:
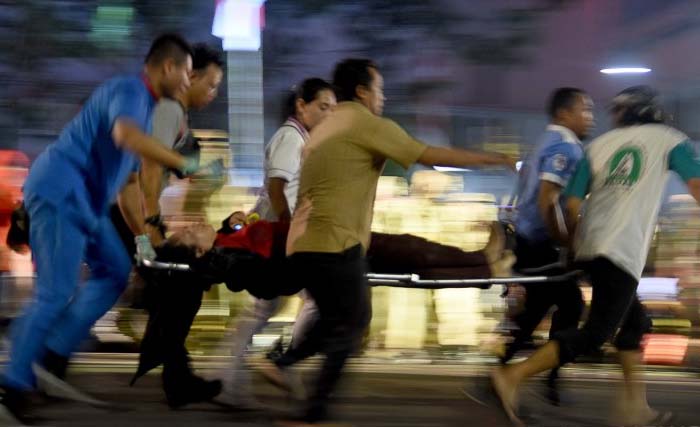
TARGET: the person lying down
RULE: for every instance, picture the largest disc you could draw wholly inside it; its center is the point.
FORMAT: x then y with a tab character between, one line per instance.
242	252
250	256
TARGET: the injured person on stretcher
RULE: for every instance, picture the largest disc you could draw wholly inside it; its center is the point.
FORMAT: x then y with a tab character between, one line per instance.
251	256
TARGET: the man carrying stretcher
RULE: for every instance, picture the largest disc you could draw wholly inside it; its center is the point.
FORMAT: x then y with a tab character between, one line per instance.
330	230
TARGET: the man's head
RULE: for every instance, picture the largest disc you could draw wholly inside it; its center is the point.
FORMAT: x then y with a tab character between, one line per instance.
310	102
169	64
207	73
359	80
637	105
572	108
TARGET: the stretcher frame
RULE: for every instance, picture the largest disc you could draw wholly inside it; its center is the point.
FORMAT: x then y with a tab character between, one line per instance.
412	280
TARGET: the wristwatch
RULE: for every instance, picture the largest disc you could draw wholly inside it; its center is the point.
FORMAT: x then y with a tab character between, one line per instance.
157	222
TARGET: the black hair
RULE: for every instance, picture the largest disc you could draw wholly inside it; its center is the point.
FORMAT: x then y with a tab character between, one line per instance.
307	90
563	98
351	73
226	226
203	56
176	252
639	105
167	46
18	234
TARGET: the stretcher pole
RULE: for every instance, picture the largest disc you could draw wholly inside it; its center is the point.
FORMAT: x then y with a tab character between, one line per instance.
410	280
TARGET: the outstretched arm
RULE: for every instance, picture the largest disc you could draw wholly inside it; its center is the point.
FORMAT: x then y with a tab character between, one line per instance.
129	136
455	157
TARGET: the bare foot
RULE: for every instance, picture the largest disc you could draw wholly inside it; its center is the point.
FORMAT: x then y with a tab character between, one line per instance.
643	417
503	266
506	391
272	373
496	244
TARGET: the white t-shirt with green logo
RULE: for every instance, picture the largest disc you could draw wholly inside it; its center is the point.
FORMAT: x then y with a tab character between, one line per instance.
624	172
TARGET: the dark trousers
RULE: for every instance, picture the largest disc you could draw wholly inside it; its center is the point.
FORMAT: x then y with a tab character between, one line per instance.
616	313
541	297
405	253
172	301
337	284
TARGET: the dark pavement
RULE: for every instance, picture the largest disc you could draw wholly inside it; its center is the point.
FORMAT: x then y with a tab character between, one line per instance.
376	399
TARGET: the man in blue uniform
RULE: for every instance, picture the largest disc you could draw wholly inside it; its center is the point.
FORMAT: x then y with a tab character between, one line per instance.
538	234
67	195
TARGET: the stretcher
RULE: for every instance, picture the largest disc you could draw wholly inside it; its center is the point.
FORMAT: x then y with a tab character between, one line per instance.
411	280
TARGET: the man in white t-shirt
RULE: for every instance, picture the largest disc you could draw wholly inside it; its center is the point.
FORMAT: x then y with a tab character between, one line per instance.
622	178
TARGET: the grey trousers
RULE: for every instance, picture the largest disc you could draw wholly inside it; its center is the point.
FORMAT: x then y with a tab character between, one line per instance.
237	381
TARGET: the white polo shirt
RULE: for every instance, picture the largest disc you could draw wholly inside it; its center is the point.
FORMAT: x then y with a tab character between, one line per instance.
283	160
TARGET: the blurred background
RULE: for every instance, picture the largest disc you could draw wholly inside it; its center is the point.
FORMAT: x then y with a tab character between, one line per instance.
471	74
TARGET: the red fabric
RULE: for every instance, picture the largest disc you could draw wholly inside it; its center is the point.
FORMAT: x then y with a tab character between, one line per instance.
7	203
264	238
149	86
13	158
6	206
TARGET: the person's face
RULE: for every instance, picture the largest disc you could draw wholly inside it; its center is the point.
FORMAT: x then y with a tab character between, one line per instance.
372	97
176	77
204	86
617	114
579	118
199	236
312	113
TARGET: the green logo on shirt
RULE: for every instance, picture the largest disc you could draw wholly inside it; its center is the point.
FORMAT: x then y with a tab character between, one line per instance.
625	167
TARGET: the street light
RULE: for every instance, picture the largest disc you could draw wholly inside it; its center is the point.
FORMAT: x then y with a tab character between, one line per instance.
625	70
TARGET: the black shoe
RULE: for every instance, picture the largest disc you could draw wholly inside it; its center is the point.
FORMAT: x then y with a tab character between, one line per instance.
276	351
55	363
13	408
192	389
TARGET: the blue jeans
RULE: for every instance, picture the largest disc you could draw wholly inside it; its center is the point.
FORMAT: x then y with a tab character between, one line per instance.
60	315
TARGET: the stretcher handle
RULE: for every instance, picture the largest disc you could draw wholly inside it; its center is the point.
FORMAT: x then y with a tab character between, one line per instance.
160	265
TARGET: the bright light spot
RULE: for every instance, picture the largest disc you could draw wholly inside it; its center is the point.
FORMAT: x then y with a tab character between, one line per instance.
111	25
450	169
238	23
518	165
625	70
